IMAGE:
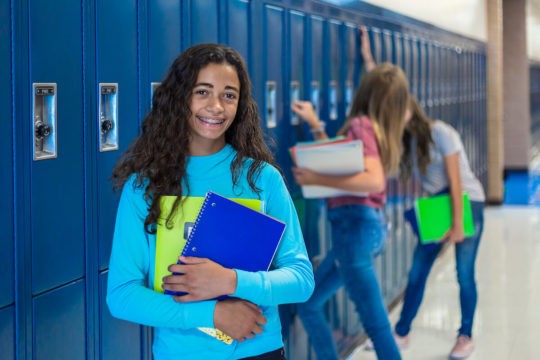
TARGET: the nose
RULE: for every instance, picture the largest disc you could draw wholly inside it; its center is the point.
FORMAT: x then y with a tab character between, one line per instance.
215	105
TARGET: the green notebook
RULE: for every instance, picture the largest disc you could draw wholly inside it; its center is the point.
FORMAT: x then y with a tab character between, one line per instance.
434	217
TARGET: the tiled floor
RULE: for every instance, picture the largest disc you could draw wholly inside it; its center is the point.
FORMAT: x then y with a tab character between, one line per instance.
507	322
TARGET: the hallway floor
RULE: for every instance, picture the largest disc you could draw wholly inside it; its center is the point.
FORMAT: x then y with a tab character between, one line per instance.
507	322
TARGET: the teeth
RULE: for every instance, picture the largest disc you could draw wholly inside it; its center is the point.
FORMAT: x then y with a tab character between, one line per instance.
211	121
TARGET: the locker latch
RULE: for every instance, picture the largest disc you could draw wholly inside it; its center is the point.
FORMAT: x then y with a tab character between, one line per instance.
108	116
44	121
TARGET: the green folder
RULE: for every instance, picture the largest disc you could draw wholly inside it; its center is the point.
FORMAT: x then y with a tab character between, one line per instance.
434	217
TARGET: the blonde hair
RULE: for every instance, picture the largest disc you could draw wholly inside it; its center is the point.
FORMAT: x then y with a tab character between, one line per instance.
383	96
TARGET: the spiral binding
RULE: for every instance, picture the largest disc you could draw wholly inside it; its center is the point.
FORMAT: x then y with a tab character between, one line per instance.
199	216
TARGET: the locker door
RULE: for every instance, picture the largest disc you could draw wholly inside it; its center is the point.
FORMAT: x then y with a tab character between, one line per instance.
407	57
59	323
397	49
273	119
318	57
332	113
351	67
387	53
444	83
238	17
6	161
414	78
57	183
117	111
203	19
164	40
297	87
116	94
435	79
423	72
7	332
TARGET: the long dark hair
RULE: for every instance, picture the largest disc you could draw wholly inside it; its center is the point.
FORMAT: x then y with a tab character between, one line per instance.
158	156
383	96
418	128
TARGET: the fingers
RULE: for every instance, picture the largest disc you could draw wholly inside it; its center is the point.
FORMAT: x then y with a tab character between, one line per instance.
239	319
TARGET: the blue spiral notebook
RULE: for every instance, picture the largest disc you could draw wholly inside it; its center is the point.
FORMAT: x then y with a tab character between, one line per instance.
233	235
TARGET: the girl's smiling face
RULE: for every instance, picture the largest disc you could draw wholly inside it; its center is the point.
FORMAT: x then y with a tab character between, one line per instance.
214	103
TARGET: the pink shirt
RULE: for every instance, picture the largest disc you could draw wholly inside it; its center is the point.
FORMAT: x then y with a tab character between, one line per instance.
362	129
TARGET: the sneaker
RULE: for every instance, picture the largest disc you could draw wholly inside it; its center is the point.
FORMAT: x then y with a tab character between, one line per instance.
401	341
463	348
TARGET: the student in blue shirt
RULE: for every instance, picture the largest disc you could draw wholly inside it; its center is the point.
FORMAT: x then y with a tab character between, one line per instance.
203	134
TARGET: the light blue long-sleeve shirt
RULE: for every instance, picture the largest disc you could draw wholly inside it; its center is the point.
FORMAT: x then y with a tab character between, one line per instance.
130	293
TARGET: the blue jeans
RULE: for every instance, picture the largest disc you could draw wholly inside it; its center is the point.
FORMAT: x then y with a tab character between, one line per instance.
358	236
423	259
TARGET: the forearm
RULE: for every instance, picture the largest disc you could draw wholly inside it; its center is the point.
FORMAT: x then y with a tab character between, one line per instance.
291	284
136	303
456	191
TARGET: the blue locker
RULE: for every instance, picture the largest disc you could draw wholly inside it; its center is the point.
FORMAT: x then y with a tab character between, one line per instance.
7	333
297	87
57	184
119	339
116	89
116	61
423	73
376	46
397	49
414	77
203	19
351	67
272	111
316	53
407	56
238	33
435	79
334	62
58	313
444	97
164	40
387	54
6	160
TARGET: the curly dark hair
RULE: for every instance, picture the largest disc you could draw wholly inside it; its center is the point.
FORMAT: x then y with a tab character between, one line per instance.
418	128
158	156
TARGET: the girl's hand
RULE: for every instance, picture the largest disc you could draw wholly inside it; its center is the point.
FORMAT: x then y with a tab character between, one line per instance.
304	176
201	278
455	234
305	110
238	318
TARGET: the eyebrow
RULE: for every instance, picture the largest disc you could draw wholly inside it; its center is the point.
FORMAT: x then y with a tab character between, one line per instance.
227	87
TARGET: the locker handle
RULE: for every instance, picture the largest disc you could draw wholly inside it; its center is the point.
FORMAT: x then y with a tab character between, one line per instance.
333	110
44	121
108	117
295	96
42	130
271	119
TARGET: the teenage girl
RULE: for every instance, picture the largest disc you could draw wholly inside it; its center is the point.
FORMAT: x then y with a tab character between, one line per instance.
444	168
377	117
203	134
